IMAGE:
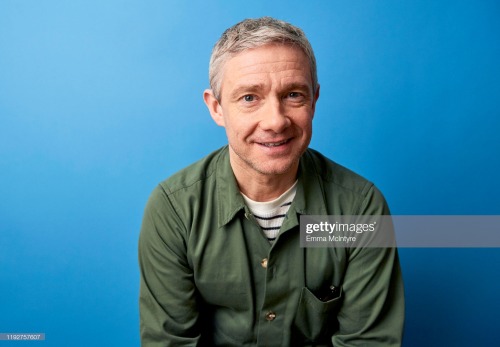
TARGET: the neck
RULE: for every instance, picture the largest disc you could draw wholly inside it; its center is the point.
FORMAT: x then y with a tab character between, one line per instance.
263	187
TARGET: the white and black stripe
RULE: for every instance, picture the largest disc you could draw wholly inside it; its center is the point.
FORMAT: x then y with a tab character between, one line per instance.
271	214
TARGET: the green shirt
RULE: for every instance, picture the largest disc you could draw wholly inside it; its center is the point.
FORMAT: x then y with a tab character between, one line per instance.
209	277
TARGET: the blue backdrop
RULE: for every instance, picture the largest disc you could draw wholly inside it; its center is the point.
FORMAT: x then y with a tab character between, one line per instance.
101	100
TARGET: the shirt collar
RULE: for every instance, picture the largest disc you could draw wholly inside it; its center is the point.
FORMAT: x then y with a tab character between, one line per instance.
309	198
229	199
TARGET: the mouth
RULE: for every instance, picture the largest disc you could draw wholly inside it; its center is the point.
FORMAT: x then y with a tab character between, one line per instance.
274	143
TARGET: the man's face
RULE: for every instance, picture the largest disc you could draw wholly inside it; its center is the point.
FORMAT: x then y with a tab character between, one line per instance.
266	105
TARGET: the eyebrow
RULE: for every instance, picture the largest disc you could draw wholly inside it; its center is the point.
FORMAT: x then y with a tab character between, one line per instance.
246	88
249	88
299	86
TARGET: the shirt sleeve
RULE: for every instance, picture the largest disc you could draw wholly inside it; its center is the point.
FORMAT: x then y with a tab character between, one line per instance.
372	313
167	300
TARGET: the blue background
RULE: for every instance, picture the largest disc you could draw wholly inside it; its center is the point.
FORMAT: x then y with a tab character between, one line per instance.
101	100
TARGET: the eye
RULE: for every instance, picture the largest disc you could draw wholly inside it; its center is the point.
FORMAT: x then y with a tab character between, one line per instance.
249	98
296	98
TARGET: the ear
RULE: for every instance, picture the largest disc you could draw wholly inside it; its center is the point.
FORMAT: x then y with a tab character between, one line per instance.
214	107
316	96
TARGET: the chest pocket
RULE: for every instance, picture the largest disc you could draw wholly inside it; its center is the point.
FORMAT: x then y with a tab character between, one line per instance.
315	318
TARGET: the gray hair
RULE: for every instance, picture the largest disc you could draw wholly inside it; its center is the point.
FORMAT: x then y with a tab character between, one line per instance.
253	33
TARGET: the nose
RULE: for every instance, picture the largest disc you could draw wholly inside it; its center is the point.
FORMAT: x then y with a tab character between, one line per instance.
274	117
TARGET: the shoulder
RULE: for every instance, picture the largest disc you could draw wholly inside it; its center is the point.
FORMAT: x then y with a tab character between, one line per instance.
184	190
335	174
343	187
187	194
195	173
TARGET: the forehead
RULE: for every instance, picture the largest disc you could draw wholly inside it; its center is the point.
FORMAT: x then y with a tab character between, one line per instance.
268	61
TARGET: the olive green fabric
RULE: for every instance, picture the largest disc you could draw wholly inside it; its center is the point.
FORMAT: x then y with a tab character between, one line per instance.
204	281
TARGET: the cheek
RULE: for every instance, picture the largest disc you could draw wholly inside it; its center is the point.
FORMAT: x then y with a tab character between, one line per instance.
242	128
304	123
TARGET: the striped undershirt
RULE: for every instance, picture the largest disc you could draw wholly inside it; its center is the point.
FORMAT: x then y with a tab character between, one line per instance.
270	214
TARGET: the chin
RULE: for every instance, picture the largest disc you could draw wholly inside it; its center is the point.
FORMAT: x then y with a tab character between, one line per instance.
268	166
275	169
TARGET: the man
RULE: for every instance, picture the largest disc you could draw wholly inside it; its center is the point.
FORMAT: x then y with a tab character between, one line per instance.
219	250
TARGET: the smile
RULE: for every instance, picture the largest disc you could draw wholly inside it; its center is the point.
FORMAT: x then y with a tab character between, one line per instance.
273	144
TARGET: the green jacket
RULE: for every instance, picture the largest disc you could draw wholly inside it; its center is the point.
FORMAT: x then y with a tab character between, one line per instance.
209	277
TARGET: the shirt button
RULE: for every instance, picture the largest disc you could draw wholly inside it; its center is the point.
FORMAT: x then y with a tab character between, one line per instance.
263	262
270	316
